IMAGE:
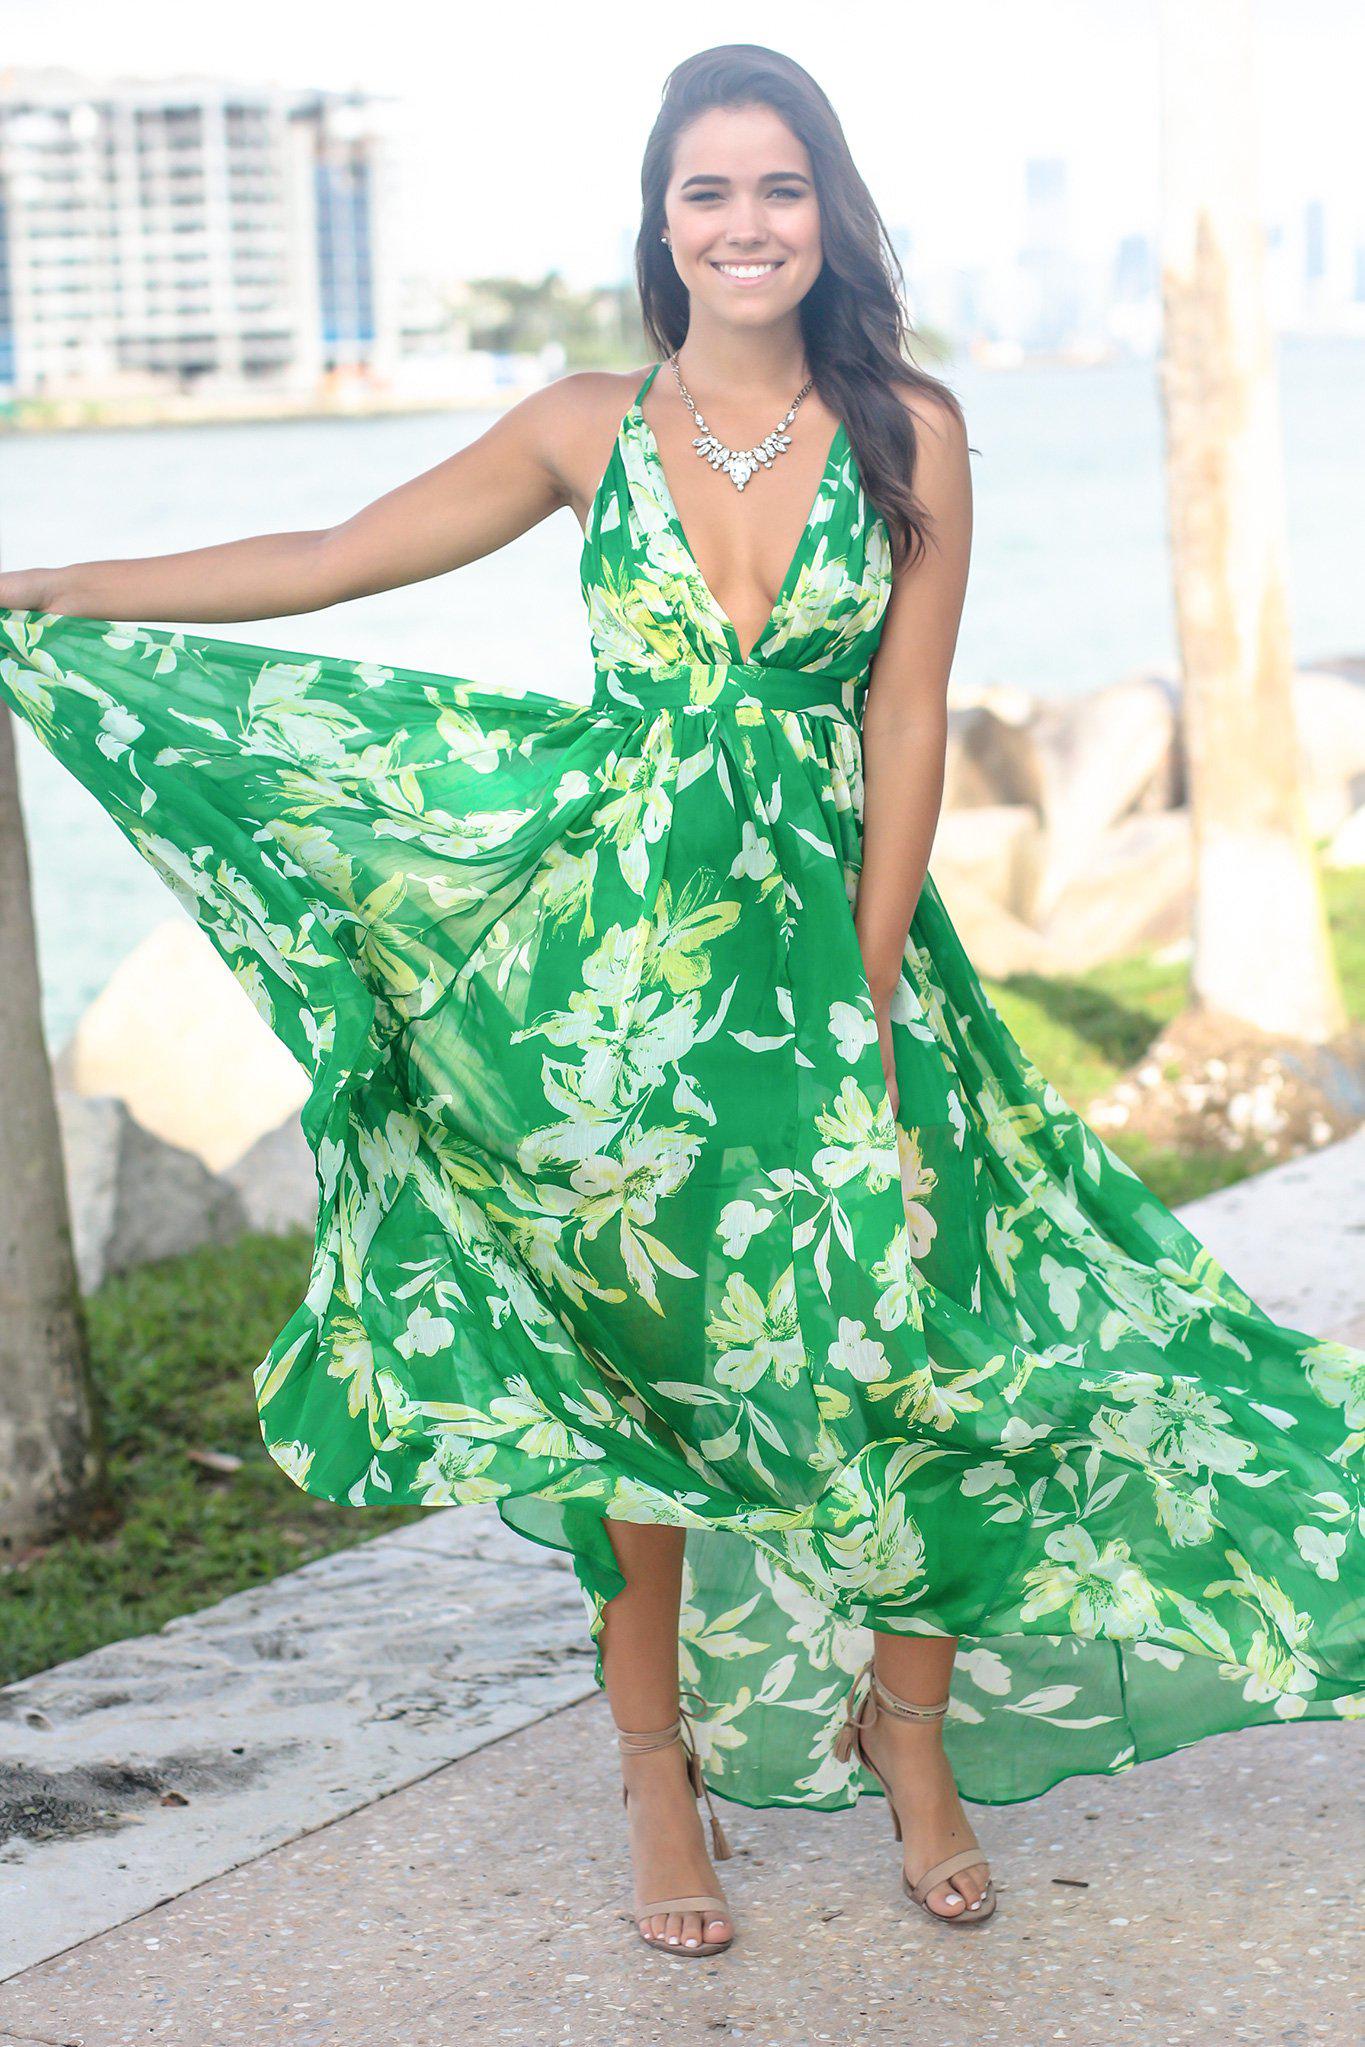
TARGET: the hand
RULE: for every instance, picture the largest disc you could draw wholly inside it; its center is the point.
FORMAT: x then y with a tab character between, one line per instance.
24	590
881	1009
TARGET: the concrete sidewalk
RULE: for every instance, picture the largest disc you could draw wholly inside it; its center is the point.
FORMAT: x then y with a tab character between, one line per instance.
1222	1904
466	1870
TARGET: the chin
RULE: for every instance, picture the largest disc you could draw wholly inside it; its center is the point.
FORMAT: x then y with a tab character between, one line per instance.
760	310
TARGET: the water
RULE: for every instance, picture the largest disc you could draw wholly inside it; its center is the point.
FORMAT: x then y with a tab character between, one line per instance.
1069	586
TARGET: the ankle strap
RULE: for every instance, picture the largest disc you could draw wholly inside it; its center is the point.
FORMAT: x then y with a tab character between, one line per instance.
903	1709
877	1698
682	1730
641	1744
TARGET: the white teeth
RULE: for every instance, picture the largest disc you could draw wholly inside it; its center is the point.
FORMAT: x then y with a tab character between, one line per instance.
745	269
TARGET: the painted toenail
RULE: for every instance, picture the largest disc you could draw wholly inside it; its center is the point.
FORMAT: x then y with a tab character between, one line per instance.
691	1940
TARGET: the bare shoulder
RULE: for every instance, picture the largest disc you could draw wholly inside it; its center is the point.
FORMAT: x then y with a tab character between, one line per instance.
937	417
941	478
583	399
572	422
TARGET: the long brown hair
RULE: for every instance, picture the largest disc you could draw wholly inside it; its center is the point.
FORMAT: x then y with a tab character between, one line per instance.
853	319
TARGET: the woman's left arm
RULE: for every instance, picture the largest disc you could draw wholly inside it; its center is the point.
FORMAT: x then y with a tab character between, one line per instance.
905	715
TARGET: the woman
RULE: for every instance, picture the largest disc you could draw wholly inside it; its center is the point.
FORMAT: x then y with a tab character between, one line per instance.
681	1191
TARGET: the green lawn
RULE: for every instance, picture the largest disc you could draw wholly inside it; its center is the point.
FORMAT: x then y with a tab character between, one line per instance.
173	1347
1084	1033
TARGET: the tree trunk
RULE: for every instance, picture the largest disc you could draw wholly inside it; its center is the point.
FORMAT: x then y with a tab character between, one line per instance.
1262	952
48	1464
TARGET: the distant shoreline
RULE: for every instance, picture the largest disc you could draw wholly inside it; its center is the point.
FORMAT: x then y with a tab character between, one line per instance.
74	416
79	415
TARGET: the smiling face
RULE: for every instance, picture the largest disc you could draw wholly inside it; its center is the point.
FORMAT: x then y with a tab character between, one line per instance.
742	215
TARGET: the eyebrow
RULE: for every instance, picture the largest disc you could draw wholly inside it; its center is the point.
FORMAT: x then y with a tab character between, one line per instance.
714	178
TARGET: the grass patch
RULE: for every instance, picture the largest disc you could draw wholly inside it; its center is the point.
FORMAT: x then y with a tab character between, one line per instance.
173	1348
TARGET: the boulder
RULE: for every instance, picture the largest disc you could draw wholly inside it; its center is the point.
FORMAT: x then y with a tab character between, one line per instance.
996	943
1329	708
1101	758
990	757
132	1197
173	1036
1135	893
276	1181
997	847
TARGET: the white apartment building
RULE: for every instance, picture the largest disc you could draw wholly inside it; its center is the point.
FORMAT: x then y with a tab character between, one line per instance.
190	235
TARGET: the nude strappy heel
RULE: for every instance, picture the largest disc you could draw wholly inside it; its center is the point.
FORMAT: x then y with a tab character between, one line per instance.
704	1902
849	1742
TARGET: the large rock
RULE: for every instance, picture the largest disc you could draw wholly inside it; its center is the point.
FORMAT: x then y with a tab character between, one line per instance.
996	846
276	1181
990	757
173	1035
996	943
1135	894
1329	706
1100	758
132	1197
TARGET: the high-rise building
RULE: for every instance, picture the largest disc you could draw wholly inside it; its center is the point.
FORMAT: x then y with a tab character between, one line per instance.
189	234
1050	292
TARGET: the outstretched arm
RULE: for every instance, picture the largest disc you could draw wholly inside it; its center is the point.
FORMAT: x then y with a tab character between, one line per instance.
467	506
905	715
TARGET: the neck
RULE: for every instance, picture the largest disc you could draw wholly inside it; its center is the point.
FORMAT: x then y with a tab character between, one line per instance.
754	363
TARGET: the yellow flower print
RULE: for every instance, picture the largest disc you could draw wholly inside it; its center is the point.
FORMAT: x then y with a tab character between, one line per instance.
860	1140
761	1336
1104	1591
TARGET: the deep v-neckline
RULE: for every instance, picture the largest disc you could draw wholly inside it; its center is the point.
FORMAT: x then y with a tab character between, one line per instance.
651	451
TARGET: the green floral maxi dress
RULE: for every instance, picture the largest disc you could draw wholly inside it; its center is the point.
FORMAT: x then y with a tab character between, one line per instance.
615	1218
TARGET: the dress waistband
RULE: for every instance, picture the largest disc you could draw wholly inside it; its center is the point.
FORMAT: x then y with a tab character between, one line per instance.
747	689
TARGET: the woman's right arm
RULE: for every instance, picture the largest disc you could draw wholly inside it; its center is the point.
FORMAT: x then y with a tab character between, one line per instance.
474	502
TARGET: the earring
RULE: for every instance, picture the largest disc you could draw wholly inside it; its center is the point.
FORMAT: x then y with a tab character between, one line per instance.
664	239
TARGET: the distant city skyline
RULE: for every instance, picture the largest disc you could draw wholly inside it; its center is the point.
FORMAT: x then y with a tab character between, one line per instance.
520	137
227	235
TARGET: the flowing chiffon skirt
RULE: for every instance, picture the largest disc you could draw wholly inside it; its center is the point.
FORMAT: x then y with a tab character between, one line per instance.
615	1217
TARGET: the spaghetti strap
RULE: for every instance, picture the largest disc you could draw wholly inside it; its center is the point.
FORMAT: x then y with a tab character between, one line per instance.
653	372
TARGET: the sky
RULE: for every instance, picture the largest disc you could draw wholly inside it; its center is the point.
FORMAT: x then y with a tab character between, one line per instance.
521	127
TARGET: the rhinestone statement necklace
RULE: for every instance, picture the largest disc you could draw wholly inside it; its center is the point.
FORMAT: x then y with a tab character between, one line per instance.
739	464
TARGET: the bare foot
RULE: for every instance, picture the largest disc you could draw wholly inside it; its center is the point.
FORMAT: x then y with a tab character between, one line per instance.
668	1847
910	1755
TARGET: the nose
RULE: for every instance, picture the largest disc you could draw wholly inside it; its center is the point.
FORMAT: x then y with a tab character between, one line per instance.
745	225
